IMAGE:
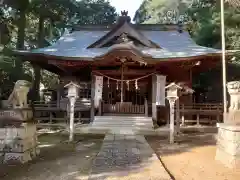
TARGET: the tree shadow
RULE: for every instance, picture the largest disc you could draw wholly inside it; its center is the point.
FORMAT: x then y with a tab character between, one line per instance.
184	143
56	156
89	158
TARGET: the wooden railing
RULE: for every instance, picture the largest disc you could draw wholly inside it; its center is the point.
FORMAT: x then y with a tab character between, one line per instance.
81	104
44	105
200	113
54	114
125	107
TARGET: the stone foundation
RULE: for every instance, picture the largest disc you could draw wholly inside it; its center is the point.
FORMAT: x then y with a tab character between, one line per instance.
18	145
228	145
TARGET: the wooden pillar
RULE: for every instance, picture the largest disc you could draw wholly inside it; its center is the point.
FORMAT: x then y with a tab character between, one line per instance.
92	114
100	108
198	120
183	118
146	107
122	83
96	94
158	93
58	97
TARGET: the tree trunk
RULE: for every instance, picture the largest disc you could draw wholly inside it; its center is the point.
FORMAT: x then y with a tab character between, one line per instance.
20	40
37	70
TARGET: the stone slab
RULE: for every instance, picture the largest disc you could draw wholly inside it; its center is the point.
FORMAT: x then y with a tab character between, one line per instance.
228	145
17	158
228	140
126	158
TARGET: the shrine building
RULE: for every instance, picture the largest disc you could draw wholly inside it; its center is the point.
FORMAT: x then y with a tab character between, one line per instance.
123	69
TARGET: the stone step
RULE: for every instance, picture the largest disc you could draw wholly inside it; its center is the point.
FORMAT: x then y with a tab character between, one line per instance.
123	117
123	122
96	121
131	120
126	119
123	125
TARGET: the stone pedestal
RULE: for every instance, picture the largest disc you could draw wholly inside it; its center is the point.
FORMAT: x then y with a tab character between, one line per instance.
228	145
18	145
18	137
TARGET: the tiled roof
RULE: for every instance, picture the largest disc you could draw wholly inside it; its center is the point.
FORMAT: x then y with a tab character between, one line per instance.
173	45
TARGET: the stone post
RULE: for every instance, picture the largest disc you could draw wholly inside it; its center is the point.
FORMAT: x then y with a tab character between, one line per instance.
71	115
172	96
172	130
178	116
228	141
72	96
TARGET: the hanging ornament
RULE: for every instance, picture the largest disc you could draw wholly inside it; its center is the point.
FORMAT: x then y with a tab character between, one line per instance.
117	85
127	85
108	83
136	84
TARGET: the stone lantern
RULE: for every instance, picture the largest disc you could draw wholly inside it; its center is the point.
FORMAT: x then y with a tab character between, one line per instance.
72	95
172	95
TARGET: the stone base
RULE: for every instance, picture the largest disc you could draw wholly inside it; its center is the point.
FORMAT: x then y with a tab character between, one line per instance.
21	158
18	145
228	145
233	117
228	160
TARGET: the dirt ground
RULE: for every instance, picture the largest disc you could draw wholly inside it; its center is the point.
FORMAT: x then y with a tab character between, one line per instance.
58	159
192	158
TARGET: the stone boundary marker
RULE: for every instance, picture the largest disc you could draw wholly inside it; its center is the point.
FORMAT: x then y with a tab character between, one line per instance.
127	157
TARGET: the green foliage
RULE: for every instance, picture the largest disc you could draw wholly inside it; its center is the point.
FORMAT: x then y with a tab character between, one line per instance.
161	11
205	24
28	24
94	12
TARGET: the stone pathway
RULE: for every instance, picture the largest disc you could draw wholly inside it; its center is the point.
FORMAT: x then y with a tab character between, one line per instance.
127	157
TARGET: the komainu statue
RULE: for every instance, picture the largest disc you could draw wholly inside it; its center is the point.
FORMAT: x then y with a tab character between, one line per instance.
18	97
233	116
234	92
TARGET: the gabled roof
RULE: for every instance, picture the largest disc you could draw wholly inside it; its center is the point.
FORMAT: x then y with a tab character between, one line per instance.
157	42
120	30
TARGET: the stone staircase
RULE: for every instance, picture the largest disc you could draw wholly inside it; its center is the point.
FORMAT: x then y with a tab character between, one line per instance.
123	122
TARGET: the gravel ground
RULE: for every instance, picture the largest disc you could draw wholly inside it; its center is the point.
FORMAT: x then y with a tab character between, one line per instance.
193	158
58	160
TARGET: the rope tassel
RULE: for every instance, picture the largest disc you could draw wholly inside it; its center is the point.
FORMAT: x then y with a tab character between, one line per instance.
136	84
127	85
117	85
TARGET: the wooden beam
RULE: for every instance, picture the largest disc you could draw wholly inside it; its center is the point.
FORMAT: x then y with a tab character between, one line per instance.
129	72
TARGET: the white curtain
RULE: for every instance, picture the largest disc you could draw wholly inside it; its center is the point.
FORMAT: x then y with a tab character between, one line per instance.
161	83
98	90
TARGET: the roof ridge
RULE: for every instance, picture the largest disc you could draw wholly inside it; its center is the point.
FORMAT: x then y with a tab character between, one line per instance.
153	27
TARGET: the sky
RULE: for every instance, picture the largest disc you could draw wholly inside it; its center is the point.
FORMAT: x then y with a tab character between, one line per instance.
129	5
